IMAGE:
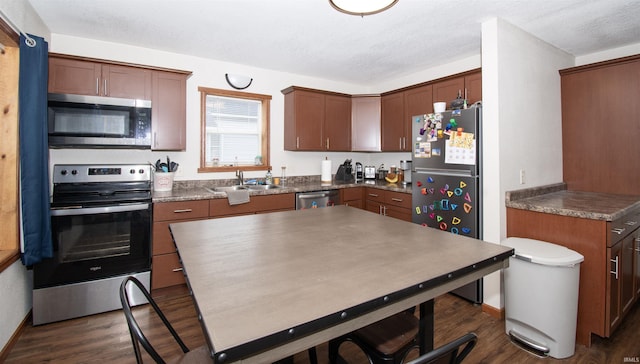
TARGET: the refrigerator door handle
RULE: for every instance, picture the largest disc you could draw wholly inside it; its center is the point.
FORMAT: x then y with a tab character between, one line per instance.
445	172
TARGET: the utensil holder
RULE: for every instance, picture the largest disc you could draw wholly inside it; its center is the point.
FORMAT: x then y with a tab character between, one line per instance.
163	181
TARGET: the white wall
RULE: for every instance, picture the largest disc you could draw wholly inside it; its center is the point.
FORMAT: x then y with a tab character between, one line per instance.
522	123
619	52
20	14
15	299
15	281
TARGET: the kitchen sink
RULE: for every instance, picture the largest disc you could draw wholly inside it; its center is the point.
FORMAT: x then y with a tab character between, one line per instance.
225	188
262	187
239	188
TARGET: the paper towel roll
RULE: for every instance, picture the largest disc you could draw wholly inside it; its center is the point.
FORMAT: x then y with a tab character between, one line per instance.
326	171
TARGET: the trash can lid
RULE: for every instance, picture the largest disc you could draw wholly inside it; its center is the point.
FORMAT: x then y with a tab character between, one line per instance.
542	252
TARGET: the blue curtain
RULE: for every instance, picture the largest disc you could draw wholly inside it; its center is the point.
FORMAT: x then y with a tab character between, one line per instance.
34	152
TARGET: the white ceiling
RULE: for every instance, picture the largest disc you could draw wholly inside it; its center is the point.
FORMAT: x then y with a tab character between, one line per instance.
309	37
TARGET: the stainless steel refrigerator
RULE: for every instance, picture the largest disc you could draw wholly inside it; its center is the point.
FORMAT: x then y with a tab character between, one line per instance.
447	177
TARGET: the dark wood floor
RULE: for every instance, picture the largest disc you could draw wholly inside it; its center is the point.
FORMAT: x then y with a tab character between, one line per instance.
105	338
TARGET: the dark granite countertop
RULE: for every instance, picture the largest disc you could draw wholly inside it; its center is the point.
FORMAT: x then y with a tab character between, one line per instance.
556	199
197	190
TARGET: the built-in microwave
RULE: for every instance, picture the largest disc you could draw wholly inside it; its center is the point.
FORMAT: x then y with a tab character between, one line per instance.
79	121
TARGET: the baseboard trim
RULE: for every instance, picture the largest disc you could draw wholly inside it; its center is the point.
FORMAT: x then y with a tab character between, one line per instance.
497	313
4	354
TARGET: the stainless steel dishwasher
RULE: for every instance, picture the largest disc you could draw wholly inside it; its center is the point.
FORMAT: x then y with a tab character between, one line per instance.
316	199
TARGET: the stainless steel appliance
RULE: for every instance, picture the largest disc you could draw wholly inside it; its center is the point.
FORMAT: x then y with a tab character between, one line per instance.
317	199
405	166
101	230
447	177
370	172
359	175
98	122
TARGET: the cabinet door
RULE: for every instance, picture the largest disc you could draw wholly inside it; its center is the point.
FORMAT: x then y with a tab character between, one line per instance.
447	91
365	124
166	271
374	206
614	283
398	213
261	203
308	120
418	101
626	270
393	123
68	76
473	87
352	197
168	111
589	98
636	264
337	123
126	82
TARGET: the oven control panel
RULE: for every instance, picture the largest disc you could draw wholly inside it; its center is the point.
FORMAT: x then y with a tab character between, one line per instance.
78	173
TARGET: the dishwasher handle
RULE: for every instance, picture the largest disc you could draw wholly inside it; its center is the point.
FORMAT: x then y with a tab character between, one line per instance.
313	195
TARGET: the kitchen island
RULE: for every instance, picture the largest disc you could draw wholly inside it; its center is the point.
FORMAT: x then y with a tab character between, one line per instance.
267	286
604	229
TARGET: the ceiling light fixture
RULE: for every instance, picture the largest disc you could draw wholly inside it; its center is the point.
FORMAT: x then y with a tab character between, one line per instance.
362	7
238	82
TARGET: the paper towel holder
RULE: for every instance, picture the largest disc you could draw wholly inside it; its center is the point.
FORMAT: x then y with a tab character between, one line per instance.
325	176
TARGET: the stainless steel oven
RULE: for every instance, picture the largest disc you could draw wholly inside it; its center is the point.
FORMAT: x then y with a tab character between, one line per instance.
101	228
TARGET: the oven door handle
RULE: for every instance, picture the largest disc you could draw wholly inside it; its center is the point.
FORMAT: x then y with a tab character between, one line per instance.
99	210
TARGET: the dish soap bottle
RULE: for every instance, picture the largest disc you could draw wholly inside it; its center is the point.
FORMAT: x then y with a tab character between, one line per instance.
269	177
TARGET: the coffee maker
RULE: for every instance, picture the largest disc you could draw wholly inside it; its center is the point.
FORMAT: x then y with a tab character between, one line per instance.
405	166
359	175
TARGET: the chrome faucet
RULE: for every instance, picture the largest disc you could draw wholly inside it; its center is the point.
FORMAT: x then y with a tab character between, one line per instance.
240	178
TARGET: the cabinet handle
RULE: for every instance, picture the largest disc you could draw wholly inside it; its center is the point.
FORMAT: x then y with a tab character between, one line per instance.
615	272
637	247
297	142
404	142
97	86
396	199
327	143
373	194
618	230
400	142
105	87
177	270
384	210
181	211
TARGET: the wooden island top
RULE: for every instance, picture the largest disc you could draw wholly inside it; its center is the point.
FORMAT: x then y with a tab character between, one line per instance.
270	285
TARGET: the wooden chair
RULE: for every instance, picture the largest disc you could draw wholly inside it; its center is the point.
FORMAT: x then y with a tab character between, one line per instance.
449	353
386	341
196	356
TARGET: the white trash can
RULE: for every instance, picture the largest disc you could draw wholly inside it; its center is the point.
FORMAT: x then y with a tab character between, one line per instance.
541	297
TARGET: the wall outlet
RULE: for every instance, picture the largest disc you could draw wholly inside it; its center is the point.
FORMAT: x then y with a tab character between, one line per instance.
522	176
